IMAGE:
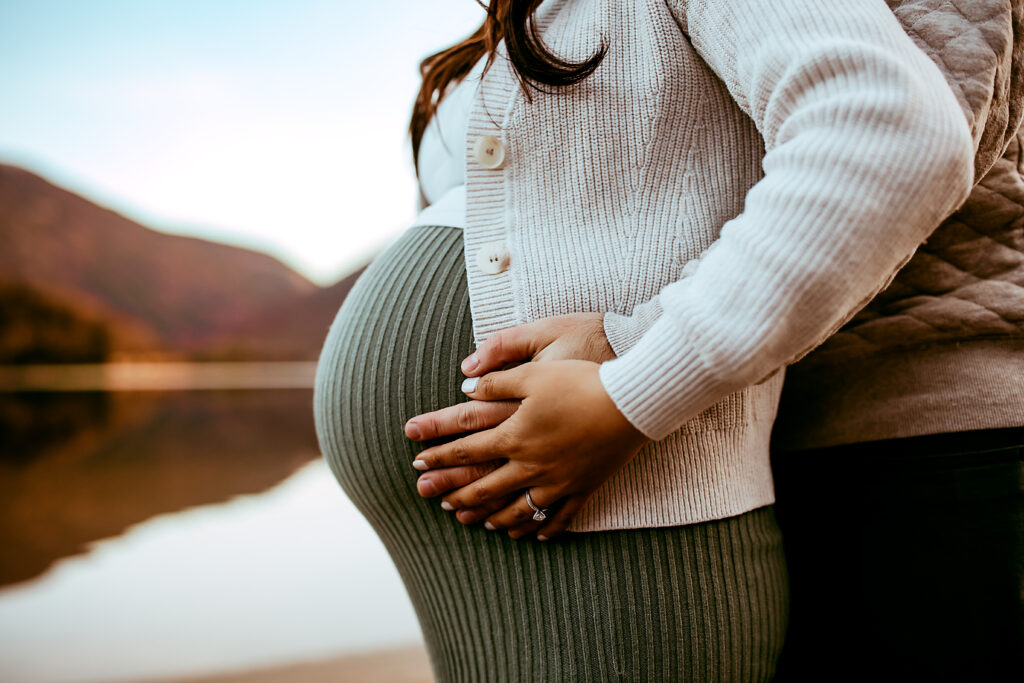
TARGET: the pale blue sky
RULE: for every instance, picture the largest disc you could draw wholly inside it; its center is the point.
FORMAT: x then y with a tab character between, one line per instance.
275	124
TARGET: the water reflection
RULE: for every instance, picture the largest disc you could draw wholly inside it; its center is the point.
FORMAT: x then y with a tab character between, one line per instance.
156	534
288	575
77	467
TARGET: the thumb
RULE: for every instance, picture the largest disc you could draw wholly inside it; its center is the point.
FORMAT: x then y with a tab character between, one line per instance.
511	345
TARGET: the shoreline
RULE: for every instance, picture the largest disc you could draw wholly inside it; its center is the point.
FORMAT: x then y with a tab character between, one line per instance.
158	376
408	664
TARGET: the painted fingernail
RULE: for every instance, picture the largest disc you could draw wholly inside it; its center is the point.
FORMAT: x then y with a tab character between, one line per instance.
541	538
445	505
420	464
469	386
426	487
412	430
471	363
489	526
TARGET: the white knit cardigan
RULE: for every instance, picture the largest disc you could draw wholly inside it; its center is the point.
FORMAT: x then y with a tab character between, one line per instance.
730	185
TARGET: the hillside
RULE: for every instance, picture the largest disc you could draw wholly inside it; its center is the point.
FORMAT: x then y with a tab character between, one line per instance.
294	329
180	290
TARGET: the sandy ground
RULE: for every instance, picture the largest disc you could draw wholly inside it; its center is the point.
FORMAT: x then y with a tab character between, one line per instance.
402	665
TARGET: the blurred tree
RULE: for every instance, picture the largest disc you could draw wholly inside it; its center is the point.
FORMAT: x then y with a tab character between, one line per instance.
36	327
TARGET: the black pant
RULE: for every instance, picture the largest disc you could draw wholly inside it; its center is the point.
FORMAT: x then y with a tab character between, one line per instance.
905	559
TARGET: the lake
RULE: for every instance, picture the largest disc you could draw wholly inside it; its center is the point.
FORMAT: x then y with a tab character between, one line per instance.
160	533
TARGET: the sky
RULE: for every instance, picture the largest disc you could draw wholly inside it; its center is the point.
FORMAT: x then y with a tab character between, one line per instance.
278	125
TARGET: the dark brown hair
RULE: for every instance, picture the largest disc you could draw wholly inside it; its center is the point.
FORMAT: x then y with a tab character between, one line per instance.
534	63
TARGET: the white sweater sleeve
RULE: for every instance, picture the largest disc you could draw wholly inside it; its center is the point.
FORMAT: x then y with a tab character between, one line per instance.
867	151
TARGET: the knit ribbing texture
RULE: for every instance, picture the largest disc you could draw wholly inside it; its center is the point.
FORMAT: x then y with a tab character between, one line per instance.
728	187
705	602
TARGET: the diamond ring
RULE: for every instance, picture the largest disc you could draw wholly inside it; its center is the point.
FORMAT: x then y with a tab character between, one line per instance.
539	514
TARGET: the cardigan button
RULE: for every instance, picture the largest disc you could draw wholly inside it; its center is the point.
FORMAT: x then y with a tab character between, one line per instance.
493	258
489	151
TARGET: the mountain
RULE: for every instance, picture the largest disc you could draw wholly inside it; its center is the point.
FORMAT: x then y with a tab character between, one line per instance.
178	292
293	330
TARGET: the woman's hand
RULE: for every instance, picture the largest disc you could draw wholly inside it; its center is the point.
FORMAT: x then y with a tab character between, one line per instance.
565	439
578	336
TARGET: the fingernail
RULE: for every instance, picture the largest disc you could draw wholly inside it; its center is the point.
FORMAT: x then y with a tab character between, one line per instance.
469	386
420	464
489	526
471	363
445	505
426	487
541	538
412	430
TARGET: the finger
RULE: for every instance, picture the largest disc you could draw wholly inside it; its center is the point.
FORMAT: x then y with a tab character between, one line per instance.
436	482
479	514
503	481
565	513
524	529
496	386
506	346
470	416
519	512
467	450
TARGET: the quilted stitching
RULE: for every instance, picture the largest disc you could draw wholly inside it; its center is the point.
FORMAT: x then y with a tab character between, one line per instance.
977	46
957	41
967	280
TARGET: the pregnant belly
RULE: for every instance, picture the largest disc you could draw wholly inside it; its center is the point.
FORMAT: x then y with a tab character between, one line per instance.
392	352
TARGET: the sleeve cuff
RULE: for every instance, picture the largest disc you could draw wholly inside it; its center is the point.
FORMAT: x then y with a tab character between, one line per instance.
624	331
661	382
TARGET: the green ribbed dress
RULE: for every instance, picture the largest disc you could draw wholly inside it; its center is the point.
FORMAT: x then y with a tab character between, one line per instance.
705	602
